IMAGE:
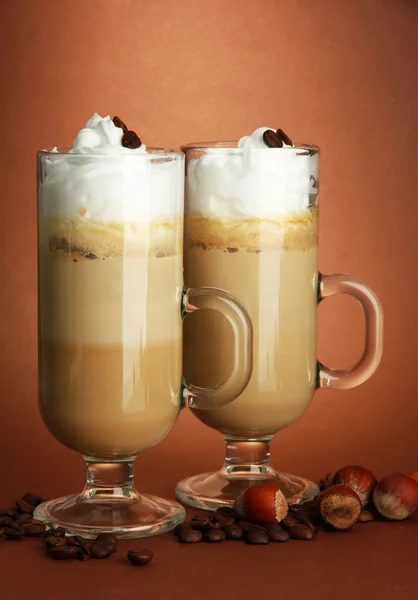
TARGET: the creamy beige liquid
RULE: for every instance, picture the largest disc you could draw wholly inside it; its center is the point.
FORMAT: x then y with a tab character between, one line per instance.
272	270
110	340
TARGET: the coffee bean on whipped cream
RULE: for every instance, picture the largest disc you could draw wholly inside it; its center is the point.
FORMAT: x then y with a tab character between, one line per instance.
285	138
131	140
119	123
271	139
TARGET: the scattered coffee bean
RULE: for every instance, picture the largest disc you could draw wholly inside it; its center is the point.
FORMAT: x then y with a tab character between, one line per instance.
228	511
58	532
75	540
25	507
276	533
103	546
33	499
13	533
247	526
83	553
257	537
140	557
6	521
119	123
305	519
271	139
25	518
63	552
109	539
33	529
289	521
131	140
53	541
233	532
180	527
301	532
13	513
200	523
365	516
284	138
187	535
214	535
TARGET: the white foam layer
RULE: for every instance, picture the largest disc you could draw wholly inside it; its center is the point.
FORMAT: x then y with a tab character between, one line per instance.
102	181
251	180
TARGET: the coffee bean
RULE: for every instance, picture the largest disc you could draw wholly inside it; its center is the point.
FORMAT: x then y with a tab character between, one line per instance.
257	537
228	511
271	139
233	532
304	518
180	527
33	499
99	550
25	518
13	513
13	533
109	539
34	529
63	552
119	123
83	553
214	535
247	526
284	138
187	535
276	533
301	532
289	521
6	521
131	140
75	540
58	532
25	507
200	523
140	557
365	516
53	541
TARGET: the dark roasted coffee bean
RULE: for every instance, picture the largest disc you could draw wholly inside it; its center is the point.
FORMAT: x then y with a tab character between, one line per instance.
119	123
109	539
200	523
25	507
222	521
13	513
214	535
63	552
284	138
233	532
187	535
83	553
131	140
13	533
33	529
304	518
247	526
25	518
101	549
58	532
140	557
289	521
276	533
180	528
301	532
53	541
33	499
228	511
75	540
6	521
256	536
271	139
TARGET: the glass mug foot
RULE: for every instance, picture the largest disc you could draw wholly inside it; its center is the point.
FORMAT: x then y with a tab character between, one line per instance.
125	518
210	491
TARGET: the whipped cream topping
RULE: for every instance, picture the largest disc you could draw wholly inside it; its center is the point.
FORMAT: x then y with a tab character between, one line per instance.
100	180
252	180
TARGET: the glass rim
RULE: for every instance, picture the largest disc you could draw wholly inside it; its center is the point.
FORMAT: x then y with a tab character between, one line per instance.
301	149
150	152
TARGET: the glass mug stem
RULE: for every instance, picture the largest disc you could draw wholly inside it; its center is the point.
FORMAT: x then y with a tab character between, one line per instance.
110	480
195	299
344	379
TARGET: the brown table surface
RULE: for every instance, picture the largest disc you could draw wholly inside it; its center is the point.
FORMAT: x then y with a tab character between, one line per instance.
372	560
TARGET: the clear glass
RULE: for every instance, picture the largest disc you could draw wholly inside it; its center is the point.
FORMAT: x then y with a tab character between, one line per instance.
111	305
251	227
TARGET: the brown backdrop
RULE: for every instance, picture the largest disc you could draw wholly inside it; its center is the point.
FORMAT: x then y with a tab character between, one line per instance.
342	75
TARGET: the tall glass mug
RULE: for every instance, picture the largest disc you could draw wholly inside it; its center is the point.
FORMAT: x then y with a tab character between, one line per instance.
251	227
111	304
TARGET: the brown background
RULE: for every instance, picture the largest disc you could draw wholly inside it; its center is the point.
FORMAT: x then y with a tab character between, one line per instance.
342	75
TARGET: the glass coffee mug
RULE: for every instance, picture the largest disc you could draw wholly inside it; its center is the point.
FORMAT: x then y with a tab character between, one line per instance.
251	227
111	304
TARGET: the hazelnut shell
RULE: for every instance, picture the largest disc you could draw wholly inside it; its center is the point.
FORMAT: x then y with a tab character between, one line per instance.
263	502
359	479
339	507
396	496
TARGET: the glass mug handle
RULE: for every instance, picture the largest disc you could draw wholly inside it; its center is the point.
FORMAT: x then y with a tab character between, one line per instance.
369	361
194	299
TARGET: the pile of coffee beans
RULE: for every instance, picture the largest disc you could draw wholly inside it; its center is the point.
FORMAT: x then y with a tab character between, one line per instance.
18	522
226	524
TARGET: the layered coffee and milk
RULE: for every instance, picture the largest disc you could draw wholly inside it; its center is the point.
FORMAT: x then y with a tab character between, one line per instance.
110	278
251	228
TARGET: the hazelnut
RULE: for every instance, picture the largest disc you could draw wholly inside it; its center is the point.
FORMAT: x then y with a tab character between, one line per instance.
414	475
339	507
396	496
359	479
263	502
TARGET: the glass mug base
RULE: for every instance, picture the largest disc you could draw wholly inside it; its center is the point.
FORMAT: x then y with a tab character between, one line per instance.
210	491
142	516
